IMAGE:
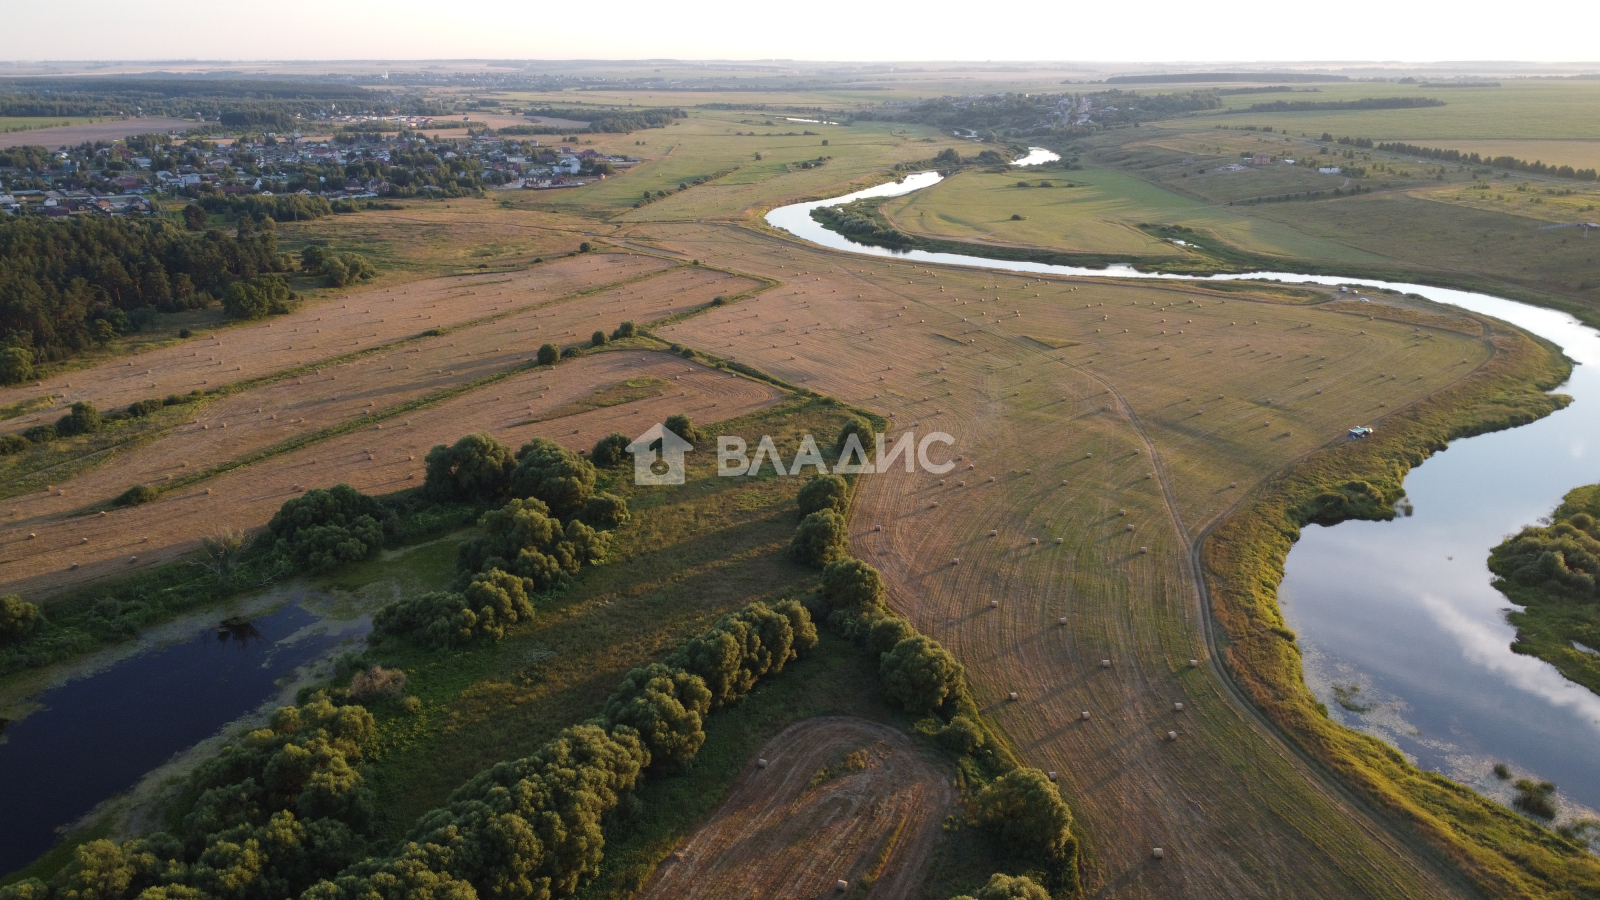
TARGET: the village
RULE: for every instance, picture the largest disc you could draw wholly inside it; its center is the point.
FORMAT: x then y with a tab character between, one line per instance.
127	177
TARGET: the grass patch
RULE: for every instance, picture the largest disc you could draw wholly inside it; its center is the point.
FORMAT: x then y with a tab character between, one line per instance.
629	391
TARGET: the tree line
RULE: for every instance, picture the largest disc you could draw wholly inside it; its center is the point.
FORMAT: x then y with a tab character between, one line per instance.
1509	163
1363	103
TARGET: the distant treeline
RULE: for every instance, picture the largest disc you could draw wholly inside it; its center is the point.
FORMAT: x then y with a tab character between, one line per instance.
1024	113
1509	163
269	105
1363	103
611	121
1206	77
70	284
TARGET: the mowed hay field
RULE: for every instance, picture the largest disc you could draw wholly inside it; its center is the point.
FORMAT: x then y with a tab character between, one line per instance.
1122	444
372	459
839	798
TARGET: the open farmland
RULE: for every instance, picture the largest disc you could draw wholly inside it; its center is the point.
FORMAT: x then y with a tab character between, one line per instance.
73	549
1122	443
827	800
72	135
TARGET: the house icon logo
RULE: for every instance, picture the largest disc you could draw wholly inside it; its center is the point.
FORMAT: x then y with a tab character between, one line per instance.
663	466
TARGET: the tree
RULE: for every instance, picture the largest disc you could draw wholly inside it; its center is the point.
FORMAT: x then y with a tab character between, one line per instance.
82	419
922	676
625	330
682	426
851	582
324	528
824	492
1006	887
609	451
666	707
551	473
1024	813
258	297
524	539
195	217
549	354
857	426
605	511
475	468
821	538
18	619
16	365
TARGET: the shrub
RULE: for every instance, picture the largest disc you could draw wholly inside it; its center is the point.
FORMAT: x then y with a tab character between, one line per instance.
585	247
744	646
1006	887
1024	813
571	353
821	538
851	582
83	419
137	495
922	676
492	602
605	511
258	297
475	468
857	426
13	443
611	450
625	330
524	539
666	706
18	619
324	528
554	475
338	271
16	365
886	632
961	736
824	492
682	426
1536	798
40	434
598	339
378	683
548	354
144	407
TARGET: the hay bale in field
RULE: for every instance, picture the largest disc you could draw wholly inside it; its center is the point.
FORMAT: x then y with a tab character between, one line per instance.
994	604
761	764
1061	621
1177	707
1194	663
1172	735
1157	852
1084	715
1012	696
1105	663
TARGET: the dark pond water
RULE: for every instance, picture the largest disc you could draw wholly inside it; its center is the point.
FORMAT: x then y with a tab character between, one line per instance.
97	736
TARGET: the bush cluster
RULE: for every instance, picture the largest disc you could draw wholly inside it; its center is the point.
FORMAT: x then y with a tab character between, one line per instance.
323	528
1562	559
272	814
18	619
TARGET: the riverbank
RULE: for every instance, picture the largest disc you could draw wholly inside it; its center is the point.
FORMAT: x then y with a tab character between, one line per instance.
1244	556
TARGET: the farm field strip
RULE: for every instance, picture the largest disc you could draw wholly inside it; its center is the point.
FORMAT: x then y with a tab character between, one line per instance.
1068	462
776	833
257	419
370	461
362	320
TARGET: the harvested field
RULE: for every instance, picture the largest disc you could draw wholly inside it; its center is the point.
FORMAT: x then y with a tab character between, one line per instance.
361	320
815	816
272	413
368	459
73	135
1122	447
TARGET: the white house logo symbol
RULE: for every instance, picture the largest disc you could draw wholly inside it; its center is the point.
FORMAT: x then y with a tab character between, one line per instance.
665	467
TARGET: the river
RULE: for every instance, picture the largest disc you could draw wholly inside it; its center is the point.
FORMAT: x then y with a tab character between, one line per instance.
1404	610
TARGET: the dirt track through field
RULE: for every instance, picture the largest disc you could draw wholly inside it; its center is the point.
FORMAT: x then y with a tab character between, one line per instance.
360	320
1021	372
776	836
373	459
269	414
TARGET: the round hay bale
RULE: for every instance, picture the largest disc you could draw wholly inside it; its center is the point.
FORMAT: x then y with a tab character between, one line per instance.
1105	663
1061	621
1084	715
1194	663
877	528
1052	776
1059	540
1157	852
761	764
993	532
994	604
1035	541
956	561
1177	707
1172	735
841	885
1013	696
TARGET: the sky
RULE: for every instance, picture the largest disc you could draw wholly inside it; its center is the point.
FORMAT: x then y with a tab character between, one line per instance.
1030	30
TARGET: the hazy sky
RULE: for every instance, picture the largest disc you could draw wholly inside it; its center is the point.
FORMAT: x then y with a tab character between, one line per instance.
1158	30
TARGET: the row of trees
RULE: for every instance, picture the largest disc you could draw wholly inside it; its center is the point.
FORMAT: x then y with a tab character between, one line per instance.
534	827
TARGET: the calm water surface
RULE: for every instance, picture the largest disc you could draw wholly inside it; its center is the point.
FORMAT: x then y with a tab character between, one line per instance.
1403	611
95	737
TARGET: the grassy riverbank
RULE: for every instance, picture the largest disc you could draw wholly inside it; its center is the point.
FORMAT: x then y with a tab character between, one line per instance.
1550	571
1243	565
